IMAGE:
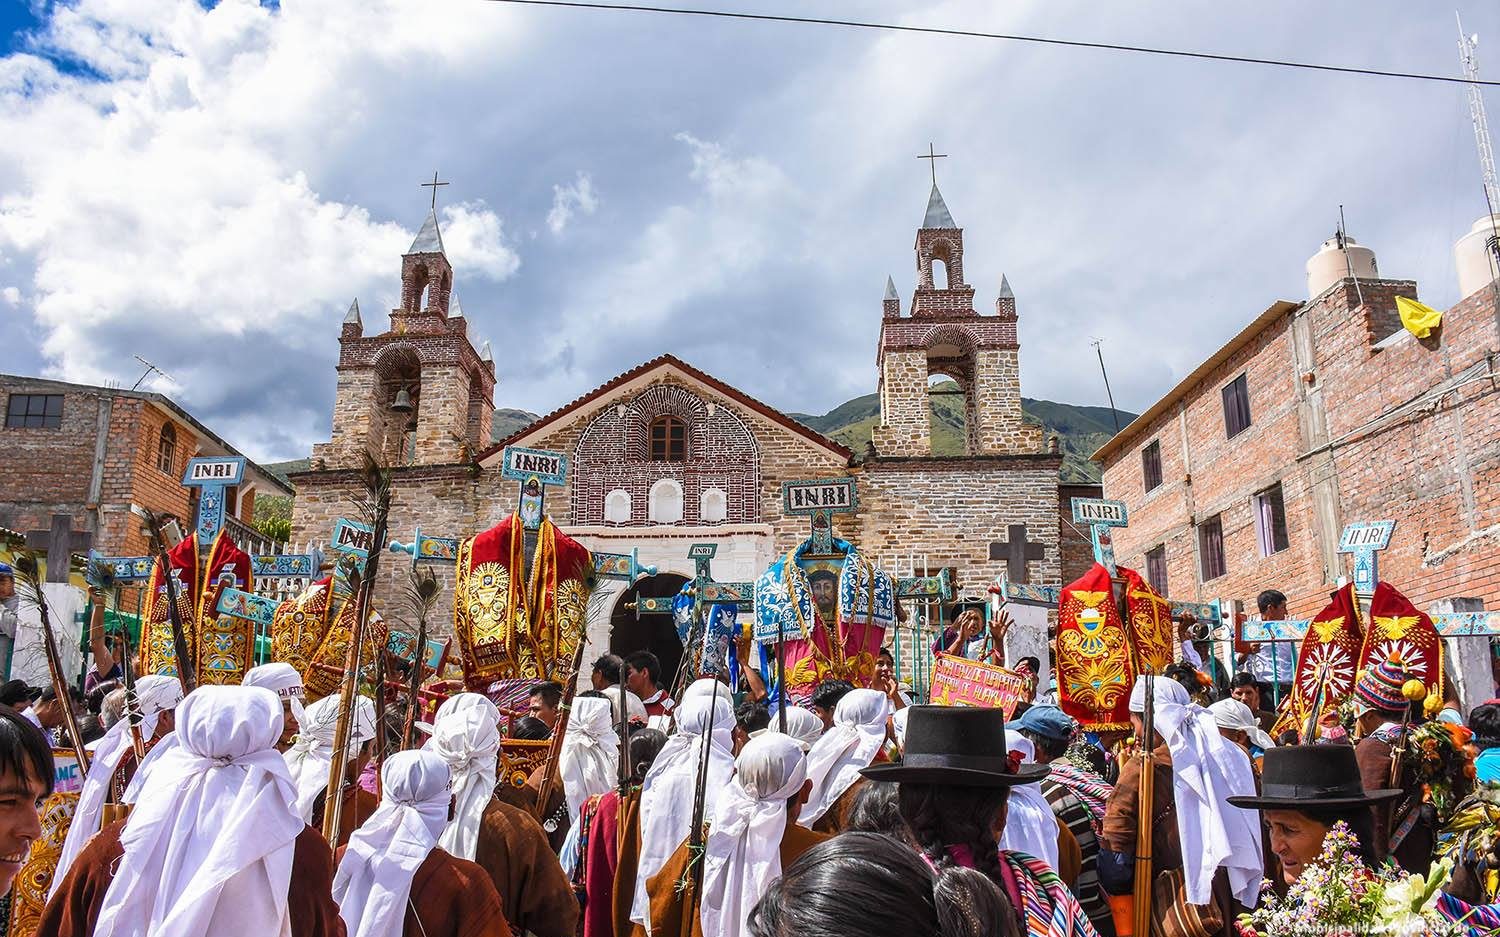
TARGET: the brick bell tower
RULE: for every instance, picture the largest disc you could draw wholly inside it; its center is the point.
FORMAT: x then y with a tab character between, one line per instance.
944	336
418	393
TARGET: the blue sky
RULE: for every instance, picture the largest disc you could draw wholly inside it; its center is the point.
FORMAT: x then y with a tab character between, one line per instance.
210	186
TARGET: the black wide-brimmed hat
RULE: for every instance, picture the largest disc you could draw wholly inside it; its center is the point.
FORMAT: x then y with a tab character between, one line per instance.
1293	777
960	745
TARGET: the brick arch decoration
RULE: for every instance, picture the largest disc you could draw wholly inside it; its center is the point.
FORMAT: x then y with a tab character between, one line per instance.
612	454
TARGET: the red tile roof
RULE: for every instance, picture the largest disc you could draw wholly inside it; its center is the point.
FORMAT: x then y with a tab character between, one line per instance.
661	361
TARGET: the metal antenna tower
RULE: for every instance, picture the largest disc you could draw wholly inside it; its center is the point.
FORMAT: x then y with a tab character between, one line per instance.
1470	61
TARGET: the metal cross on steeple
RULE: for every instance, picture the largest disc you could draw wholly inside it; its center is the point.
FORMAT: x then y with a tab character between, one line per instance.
433	185
932	158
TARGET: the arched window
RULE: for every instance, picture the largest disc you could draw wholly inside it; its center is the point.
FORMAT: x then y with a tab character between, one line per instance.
939	273
617	507
713	507
166	450
666	502
668	441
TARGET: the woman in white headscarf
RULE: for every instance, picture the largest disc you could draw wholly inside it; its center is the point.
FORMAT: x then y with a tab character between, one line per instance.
312	753
1030	824
469	741
590	758
668	793
1238	724
157	697
834	763
1206	770
395	881
745	848
283	680
214	845
803	725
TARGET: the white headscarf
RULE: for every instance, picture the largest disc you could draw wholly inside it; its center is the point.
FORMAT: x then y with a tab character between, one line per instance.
704	688
1206	769
1030	824
743	856
374	879
590	758
837	757
469	741
208	849
635	707
803	725
283	680
898	725
670	786
1232	714
457	703
311	754
156	694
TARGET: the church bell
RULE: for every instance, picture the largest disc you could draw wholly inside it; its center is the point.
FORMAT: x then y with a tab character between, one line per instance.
402	403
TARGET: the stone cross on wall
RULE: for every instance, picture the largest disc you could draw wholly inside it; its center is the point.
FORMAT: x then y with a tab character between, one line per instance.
1015	550
59	544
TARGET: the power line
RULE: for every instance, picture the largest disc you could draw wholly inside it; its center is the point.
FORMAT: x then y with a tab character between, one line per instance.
1010	37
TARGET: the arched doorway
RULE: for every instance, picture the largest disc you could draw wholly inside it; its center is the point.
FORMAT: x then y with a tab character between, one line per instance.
654	633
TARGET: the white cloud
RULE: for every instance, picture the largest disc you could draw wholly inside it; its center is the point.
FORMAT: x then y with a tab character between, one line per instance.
11	295
474	239
577	197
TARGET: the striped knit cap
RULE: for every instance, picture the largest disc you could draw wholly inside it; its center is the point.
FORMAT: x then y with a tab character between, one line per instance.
1380	687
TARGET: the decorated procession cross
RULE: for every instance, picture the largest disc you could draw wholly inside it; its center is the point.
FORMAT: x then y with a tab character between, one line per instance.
821	609
703	613
1103	641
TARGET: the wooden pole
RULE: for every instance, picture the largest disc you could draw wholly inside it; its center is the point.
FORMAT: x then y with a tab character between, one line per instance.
29	567
1145	813
554	749
185	674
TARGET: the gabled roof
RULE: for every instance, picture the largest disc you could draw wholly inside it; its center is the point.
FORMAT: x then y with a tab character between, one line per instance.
429	238
660	363
937	211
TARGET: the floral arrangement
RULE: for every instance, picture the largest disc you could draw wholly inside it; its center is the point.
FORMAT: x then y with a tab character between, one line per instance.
1471	837
1442	759
1337	896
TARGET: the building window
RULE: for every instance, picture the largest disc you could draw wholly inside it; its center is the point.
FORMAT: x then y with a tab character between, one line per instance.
1156	568
1270	520
1236	407
1211	548
1151	465
712	506
166	450
668	439
666	502
617	507
34	411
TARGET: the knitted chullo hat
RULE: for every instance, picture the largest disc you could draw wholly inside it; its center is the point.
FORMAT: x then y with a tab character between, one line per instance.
1380	687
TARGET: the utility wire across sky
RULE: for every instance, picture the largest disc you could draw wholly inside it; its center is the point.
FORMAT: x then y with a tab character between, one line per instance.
1009	37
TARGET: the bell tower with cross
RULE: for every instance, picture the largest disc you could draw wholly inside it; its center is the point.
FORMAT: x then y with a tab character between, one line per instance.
419	393
943	336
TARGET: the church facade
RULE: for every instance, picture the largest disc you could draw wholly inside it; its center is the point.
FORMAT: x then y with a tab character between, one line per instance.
666	455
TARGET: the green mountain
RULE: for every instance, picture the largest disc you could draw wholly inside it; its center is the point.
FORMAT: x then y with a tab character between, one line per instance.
1081	430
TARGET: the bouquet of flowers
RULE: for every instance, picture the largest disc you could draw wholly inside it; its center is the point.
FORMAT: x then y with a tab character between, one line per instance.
1337	896
1471	838
1443	761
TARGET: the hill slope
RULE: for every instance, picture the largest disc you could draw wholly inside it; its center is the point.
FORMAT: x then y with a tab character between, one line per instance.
1080	429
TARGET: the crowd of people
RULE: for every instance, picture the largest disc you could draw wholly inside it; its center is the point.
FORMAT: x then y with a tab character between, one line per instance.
724	813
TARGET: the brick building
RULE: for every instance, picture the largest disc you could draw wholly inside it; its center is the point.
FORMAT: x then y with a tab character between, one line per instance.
666	455
92	453
1315	415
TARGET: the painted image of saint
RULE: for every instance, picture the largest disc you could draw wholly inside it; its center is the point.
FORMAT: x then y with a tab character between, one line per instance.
824	585
531	503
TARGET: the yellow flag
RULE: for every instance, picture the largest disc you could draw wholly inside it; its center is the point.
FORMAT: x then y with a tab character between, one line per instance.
1419	320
